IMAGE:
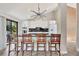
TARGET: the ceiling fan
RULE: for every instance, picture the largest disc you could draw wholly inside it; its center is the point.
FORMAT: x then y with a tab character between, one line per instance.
38	13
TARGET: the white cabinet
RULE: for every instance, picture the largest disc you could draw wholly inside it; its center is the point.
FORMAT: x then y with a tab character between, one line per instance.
52	27
50	24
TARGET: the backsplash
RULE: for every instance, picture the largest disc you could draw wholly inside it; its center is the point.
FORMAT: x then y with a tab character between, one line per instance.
38	29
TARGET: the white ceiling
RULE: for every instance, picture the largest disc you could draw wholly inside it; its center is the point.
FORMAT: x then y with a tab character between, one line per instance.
23	10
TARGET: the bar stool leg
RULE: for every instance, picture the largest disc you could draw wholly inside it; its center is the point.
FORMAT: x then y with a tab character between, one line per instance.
37	49
22	46
50	50
59	50
15	47
9	50
31	48
56	48
26	47
45	49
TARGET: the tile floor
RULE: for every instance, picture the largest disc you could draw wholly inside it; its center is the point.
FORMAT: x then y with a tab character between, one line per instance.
71	52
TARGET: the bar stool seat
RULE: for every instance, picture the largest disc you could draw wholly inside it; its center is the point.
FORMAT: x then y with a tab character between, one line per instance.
54	41
41	41
27	41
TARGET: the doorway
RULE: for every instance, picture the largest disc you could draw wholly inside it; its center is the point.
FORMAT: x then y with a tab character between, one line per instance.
11	29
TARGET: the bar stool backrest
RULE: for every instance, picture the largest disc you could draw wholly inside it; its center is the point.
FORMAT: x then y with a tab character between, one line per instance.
41	37
27	37
55	38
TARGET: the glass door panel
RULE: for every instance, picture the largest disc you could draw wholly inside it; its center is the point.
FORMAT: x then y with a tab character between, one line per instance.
12	30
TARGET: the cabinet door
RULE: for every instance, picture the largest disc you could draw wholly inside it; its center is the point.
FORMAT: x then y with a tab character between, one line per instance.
52	27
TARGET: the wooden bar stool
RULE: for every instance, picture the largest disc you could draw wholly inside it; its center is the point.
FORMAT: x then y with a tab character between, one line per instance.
55	40
41	39
27	39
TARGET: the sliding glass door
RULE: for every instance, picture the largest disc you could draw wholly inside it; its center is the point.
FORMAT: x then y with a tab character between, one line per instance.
12	30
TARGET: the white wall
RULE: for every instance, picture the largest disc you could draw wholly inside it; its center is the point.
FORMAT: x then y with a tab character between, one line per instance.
38	23
2	32
8	16
19	27
3	37
61	18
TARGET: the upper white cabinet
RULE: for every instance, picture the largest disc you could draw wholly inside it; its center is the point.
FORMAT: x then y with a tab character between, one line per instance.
52	27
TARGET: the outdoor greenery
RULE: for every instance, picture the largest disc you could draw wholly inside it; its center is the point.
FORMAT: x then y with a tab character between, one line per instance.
13	28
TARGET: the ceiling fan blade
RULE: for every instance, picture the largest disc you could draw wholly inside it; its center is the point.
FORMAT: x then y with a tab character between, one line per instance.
43	11
32	18
35	12
35	17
